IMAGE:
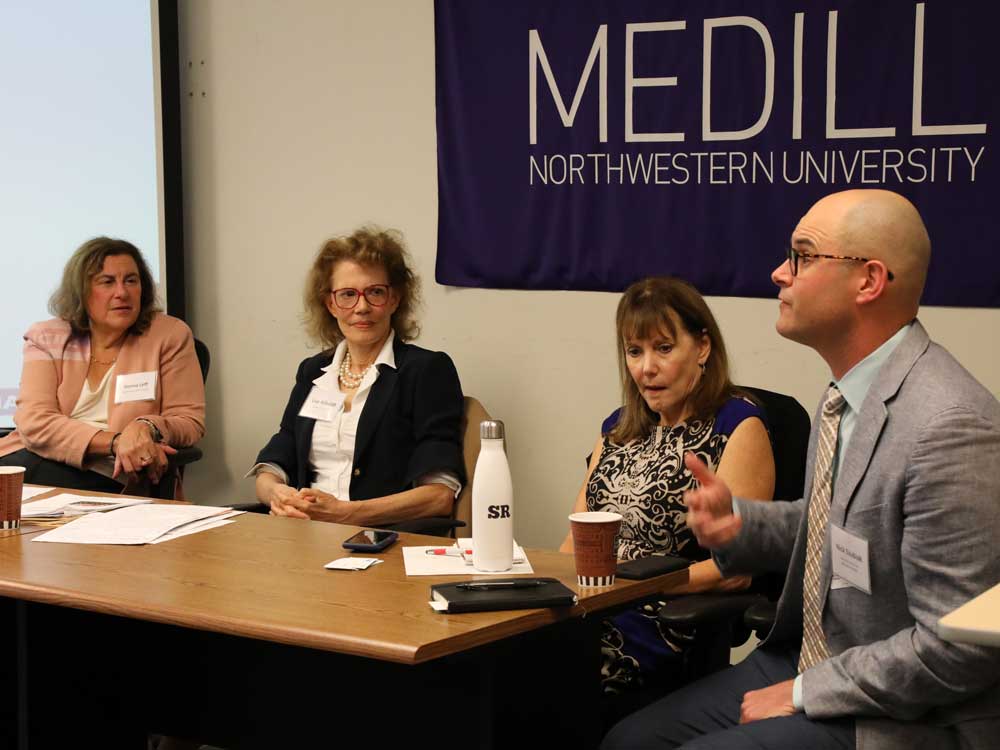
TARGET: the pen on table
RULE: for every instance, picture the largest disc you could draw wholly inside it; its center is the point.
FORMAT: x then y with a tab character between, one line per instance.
443	552
491	585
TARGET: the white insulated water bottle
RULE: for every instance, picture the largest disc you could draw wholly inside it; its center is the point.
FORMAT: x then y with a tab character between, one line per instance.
492	503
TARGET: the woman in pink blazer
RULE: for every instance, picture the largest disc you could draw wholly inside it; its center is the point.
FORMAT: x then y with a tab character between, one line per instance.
111	386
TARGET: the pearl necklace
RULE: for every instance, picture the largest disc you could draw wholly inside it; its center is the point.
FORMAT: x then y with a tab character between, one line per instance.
347	378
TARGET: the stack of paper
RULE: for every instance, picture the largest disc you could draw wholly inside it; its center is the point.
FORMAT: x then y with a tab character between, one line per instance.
140	524
66	504
28	492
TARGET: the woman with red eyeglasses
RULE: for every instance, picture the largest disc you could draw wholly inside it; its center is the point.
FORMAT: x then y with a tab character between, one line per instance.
372	417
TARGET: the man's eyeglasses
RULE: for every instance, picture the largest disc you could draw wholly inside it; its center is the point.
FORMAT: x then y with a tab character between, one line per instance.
794	255
347	298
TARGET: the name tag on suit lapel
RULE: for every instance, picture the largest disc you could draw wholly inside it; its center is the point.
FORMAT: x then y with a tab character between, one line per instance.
321	404
849	554
136	386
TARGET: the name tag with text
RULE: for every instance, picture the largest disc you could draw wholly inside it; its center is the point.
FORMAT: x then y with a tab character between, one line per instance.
322	405
849	554
137	386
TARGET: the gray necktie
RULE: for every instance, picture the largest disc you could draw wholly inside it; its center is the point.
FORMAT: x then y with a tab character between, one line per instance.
814	649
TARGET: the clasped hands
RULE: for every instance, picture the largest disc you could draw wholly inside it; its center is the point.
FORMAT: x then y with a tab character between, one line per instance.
136	452
308	503
710	516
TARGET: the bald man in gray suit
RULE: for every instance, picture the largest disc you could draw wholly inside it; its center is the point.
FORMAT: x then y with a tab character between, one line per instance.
899	524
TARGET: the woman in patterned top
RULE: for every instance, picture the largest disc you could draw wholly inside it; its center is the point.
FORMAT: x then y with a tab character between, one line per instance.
677	398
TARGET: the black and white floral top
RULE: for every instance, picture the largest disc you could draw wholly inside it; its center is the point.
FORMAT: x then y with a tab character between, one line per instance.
645	481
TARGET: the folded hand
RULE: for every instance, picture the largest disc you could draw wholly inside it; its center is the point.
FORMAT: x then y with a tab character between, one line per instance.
136	452
284	501
322	506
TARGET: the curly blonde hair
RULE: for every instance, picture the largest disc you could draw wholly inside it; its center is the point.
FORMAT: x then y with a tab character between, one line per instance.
368	246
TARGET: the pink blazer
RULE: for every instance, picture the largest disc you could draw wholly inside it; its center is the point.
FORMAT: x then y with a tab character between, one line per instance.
55	367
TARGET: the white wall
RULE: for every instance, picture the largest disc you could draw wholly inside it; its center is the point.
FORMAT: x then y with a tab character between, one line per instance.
309	117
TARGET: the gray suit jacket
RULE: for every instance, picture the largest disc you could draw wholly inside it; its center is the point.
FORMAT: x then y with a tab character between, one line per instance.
921	482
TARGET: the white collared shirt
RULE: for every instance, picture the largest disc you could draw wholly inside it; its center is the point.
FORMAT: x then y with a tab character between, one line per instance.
332	451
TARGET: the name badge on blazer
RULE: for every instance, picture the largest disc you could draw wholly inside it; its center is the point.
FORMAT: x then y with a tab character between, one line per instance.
136	386
321	404
849	554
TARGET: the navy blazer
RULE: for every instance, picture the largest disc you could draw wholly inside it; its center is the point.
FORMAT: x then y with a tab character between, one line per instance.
410	425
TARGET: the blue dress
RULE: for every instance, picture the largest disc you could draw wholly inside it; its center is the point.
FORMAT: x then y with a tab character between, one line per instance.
644	481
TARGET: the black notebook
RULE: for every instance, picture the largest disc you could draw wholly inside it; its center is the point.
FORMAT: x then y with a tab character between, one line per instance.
502	593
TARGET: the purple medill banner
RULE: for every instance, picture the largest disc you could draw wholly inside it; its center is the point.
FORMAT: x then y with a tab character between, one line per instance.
583	145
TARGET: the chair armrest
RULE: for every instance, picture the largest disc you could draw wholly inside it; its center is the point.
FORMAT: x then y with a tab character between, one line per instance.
435	525
185	456
760	617
690	611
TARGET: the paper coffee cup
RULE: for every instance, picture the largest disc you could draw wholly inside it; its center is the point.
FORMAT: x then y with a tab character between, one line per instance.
595	534
11	485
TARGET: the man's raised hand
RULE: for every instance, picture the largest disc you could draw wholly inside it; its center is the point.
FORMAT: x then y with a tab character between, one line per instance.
710	507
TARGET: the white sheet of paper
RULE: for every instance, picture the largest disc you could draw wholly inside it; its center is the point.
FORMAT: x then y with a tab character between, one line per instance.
136	386
353	563
849	554
140	524
195	526
418	563
29	492
68	504
321	404
464	546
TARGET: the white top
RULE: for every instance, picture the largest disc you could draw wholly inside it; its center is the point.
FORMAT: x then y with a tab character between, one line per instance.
92	406
332	451
92	409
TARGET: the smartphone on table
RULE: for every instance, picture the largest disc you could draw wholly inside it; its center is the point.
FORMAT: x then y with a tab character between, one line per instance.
370	540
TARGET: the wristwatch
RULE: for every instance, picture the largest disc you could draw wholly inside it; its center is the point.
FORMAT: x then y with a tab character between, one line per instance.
153	429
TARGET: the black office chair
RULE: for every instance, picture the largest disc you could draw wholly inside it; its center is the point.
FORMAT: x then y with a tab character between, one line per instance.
722	621
175	468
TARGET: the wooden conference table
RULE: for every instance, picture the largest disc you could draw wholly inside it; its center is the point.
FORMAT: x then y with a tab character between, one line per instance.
238	636
977	621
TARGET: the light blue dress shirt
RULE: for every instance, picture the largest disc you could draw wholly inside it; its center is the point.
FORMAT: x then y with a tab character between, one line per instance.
854	387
